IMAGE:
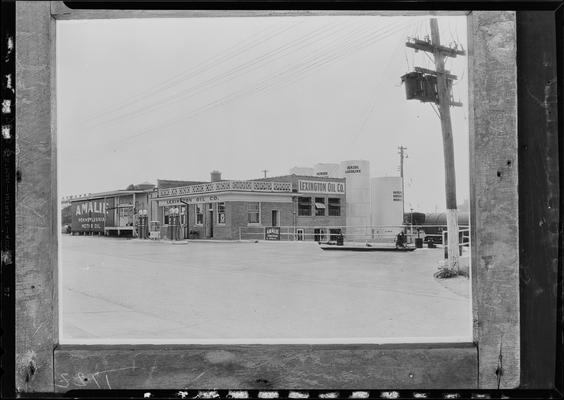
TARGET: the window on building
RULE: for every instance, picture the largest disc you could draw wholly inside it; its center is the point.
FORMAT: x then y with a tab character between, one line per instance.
319	206
165	215
304	206
334	207
125	216
253	213
199	214
221	213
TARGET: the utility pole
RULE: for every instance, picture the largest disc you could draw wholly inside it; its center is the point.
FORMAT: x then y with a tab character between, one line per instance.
403	155
265	171
442	97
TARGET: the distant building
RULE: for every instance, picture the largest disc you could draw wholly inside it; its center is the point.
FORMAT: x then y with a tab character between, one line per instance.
303	207
371	201
108	213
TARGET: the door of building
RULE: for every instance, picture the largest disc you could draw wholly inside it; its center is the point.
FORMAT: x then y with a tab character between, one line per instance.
209	223
275	218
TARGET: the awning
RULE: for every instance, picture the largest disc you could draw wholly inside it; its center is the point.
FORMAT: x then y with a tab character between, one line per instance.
319	205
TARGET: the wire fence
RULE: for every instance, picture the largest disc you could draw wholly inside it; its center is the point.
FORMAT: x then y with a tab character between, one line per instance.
361	234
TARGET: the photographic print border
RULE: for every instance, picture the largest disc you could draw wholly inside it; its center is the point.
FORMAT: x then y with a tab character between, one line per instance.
499	245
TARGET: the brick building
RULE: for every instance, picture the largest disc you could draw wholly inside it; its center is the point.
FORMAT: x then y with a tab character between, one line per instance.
299	207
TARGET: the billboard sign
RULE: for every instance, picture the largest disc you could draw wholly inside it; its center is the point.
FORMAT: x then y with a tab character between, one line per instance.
88	216
272	233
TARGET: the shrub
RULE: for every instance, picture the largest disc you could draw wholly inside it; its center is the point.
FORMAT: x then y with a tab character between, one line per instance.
445	273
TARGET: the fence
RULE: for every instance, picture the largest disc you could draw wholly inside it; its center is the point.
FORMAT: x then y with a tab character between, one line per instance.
362	234
464	237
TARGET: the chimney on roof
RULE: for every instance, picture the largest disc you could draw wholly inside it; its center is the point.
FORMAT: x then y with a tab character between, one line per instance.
215	176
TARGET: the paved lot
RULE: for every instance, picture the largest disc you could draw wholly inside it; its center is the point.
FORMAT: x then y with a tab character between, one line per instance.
131	289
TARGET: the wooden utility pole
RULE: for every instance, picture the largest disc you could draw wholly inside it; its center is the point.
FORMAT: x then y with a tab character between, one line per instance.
402	154
265	171
444	101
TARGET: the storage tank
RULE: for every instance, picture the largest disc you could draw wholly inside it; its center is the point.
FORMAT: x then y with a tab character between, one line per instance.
357	175
387	201
307	171
327	170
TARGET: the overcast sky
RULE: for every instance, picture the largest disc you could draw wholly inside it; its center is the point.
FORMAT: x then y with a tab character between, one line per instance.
147	99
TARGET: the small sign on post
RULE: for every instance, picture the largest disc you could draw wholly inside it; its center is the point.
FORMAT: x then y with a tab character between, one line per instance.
272	233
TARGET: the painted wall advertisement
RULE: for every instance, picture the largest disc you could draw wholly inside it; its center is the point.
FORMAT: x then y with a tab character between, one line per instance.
272	233
88	215
334	187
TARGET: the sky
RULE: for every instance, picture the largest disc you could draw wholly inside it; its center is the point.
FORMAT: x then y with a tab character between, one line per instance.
146	99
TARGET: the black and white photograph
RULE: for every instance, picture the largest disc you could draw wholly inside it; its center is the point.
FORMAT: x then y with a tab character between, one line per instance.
264	180
281	200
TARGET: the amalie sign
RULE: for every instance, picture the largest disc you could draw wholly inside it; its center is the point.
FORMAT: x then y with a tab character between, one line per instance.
89	216
332	187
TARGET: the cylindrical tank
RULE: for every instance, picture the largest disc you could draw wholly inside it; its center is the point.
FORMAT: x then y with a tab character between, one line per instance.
357	175
327	170
307	171
387	201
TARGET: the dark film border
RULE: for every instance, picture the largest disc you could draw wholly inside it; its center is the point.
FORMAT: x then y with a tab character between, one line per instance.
8	180
7	196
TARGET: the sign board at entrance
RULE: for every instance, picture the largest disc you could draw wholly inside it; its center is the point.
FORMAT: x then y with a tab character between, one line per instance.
331	187
190	200
272	233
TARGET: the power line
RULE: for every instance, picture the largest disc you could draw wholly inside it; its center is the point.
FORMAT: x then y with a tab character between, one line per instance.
192	72
226	76
269	82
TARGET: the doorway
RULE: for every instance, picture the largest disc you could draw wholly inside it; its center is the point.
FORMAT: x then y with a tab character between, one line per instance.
209	222
275	221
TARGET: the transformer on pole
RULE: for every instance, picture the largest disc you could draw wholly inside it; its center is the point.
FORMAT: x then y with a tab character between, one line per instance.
436	87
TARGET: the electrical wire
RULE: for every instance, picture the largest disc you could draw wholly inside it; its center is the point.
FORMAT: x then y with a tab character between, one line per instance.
230	74
197	70
263	85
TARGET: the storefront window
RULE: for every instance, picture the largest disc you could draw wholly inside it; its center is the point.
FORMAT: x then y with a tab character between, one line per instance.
199	214
334	207
304	206
221	213
253	213
319	206
125	216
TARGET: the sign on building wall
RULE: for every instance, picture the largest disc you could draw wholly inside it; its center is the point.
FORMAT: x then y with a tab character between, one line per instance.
353	169
88	216
190	200
332	187
272	233
397	195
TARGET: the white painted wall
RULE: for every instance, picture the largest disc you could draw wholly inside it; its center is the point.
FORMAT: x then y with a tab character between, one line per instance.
328	170
357	175
386	209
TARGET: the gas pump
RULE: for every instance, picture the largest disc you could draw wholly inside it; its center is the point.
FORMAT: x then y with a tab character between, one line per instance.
174	223
143	224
